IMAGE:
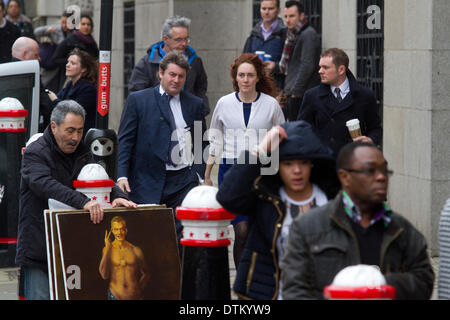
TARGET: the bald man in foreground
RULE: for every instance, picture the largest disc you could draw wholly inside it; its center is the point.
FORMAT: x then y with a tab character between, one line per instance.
28	49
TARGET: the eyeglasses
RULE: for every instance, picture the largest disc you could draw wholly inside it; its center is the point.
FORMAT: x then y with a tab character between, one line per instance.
179	40
371	172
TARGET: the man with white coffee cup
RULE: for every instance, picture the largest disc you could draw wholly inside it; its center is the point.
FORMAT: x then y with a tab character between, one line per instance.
340	101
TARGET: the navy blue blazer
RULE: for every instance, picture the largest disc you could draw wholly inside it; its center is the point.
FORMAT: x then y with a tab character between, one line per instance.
144	137
321	109
85	93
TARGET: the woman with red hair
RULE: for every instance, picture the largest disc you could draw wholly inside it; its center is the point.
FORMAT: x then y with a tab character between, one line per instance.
239	120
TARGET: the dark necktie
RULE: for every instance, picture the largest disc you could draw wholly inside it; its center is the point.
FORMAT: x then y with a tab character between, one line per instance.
173	128
338	94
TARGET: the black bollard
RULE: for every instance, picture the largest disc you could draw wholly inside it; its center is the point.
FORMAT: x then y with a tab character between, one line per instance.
103	144
12	139
206	274
205	267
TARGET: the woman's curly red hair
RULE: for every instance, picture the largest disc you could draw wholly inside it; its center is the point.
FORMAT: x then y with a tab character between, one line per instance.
265	83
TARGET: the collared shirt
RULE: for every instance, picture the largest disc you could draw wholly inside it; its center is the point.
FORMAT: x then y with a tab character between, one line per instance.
266	33
183	135
344	87
354	213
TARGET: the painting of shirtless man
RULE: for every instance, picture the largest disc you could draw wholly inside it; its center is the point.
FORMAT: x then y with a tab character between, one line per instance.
123	264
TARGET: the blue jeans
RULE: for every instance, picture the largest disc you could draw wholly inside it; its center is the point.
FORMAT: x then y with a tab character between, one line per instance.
111	296
35	284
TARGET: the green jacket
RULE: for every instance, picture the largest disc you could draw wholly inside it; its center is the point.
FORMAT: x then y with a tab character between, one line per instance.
321	243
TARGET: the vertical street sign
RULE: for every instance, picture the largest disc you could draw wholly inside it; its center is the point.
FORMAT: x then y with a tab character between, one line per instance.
104	72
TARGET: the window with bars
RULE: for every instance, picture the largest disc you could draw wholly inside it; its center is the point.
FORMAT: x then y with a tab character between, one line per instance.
313	12
370	47
129	43
256	12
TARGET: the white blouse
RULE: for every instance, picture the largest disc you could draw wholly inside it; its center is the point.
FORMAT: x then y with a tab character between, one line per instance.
229	136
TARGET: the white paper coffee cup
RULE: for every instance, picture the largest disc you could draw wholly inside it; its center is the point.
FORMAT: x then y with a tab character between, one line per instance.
354	128
260	54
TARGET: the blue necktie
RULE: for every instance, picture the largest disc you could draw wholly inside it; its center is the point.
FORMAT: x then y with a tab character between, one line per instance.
173	128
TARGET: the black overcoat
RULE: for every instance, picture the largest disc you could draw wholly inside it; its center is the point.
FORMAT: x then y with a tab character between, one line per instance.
321	109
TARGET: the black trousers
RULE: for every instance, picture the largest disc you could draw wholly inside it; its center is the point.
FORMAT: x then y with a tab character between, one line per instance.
177	185
292	108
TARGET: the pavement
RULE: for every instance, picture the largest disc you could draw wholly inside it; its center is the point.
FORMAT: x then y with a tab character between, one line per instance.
9	278
8	283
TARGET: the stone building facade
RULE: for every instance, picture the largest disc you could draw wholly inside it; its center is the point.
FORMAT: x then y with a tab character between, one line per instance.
413	81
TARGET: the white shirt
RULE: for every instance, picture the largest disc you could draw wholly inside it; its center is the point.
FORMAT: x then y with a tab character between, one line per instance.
344	87
228	134
182	134
282	240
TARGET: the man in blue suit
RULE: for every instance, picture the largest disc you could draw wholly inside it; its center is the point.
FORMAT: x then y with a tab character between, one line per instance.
155	139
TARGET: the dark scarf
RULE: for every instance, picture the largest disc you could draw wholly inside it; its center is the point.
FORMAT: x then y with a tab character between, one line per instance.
289	45
85	39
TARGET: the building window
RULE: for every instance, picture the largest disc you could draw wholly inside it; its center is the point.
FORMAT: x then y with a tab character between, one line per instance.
129	43
370	47
313	12
256	12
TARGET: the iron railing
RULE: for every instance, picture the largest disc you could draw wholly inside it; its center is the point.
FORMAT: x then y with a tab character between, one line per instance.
370	47
129	43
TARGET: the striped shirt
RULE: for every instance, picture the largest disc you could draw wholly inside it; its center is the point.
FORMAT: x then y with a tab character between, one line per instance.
444	253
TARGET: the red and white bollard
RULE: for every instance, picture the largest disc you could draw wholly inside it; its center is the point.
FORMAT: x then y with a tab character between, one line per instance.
94	182
205	241
12	115
359	282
